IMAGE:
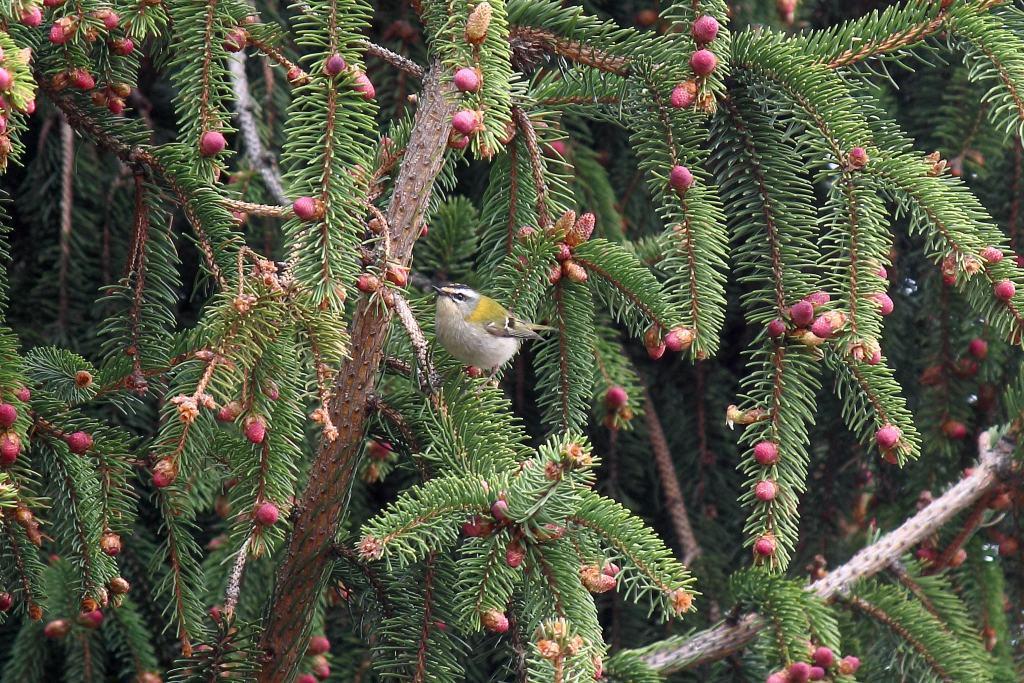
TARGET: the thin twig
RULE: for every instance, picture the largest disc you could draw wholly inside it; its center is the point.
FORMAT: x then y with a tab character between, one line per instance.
245	109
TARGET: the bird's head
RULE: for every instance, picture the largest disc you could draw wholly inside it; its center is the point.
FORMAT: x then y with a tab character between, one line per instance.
456	298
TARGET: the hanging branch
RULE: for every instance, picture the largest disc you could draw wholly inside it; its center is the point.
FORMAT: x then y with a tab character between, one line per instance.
726	638
322	505
670	483
245	109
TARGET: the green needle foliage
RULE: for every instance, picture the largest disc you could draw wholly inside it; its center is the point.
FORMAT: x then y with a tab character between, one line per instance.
775	253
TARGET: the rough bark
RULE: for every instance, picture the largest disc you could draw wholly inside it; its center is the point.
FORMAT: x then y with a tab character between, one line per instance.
322	505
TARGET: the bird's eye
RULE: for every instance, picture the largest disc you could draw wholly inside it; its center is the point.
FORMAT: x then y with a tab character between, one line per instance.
459	297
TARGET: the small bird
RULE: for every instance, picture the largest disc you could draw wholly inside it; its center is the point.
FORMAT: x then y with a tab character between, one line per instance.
477	330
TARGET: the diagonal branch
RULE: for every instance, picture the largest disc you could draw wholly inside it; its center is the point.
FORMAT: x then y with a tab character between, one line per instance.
677	654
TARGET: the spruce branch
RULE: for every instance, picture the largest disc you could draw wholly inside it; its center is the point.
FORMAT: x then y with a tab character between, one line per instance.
670	483
726	638
323	503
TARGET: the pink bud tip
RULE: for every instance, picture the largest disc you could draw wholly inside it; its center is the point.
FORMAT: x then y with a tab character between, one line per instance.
78	442
304	208
703	62
766	453
115	105
978	348
83	80
212	143
992	255
802	313
823	657
255	431
799	672
9	450
885	305
850	663
817	673
162	479
682	96
822	328
6	80
92	619
656	352
765	546
8	415
465	121
777	678
123	46
558	147
266	514
776	328
57	35
319	645
883	273
875	358
818	298
887	436
616	397
500	510
111	20
766	490
1005	290
705	29
678	339
32	17
364	86
306	678
680	178
467	80
335	65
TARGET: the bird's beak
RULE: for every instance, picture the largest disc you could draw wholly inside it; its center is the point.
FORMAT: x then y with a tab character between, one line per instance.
437	290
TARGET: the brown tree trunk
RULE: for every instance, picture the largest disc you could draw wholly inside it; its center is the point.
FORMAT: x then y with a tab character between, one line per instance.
322	505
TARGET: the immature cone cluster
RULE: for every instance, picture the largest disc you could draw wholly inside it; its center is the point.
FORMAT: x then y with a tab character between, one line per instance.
810	324
572	232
